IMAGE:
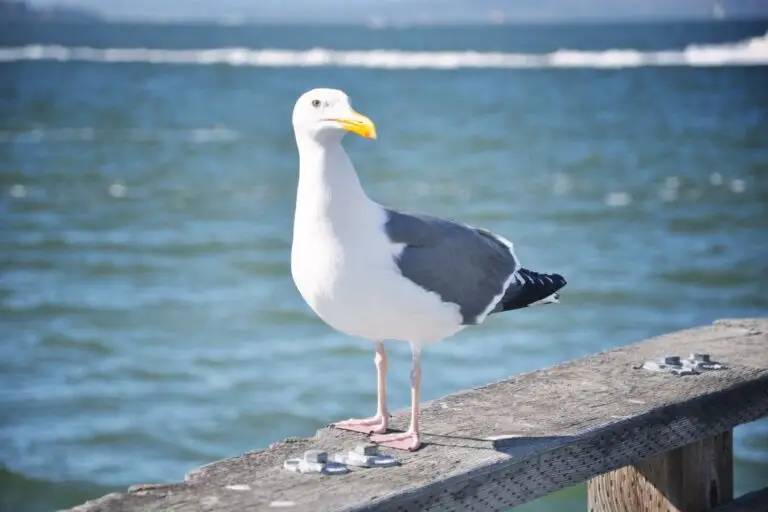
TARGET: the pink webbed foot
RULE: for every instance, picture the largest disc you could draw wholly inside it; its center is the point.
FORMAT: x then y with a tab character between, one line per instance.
375	425
409	441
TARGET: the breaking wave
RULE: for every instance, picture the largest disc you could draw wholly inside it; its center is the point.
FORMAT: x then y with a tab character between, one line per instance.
751	52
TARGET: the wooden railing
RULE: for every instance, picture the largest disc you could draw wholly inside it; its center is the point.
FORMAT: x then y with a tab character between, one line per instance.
644	440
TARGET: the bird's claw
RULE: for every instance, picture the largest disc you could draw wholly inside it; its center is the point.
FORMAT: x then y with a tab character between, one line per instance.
374	425
408	441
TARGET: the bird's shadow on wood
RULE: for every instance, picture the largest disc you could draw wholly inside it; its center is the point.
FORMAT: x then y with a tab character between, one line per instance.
520	446
511	444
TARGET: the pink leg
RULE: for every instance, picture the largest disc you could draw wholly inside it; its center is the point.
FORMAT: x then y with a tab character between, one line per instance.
377	424
409	440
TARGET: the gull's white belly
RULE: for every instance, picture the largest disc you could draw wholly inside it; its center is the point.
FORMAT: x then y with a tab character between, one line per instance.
356	289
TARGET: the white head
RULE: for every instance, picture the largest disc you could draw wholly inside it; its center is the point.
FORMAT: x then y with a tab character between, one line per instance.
325	115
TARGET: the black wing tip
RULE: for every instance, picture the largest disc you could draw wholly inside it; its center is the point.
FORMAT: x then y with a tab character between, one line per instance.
536	288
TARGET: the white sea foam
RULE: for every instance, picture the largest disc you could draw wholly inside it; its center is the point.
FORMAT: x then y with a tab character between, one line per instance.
117	190
18	191
753	52
618	199
738	186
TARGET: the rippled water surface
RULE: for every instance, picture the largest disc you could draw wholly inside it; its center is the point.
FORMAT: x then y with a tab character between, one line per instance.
149	323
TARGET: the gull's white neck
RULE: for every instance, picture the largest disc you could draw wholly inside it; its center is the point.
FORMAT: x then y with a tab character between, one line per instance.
329	188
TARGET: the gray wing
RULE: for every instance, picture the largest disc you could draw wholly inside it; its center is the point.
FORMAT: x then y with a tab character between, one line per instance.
464	265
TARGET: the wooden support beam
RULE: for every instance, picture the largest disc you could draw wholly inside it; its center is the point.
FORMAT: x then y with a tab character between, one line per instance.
693	478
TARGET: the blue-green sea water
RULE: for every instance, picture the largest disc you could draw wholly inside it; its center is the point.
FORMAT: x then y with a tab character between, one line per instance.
148	320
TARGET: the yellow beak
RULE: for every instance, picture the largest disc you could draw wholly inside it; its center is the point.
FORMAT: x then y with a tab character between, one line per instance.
359	124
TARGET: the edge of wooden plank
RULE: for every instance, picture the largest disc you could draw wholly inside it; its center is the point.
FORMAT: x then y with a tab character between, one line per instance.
516	477
623	443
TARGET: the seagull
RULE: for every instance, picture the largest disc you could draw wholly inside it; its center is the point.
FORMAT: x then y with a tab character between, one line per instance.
378	273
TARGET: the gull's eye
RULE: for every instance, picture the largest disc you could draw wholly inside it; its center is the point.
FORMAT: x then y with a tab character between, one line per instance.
315	103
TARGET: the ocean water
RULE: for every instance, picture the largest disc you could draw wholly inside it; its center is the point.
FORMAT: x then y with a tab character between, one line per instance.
148	321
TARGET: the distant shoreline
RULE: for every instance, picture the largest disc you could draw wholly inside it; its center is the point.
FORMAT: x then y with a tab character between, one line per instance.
363	24
19	12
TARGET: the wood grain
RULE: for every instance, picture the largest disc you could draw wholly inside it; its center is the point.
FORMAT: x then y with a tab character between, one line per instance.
693	478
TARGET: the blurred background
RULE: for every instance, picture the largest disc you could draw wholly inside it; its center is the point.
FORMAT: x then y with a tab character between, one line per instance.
148	321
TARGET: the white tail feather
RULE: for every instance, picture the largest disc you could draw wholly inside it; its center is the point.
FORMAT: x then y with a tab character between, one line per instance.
550	299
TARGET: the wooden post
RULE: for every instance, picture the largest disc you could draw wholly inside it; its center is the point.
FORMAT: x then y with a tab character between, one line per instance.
693	478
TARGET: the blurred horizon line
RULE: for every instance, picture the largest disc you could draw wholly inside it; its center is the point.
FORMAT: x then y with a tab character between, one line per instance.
375	14
382	24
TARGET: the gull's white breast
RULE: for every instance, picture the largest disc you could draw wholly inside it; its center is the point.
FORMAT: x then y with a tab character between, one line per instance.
343	265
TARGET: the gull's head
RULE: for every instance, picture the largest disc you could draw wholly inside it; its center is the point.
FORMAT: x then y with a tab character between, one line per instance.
325	115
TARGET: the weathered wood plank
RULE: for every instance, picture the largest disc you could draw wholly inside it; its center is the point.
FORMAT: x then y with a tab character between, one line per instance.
508	442
694	477
756	501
